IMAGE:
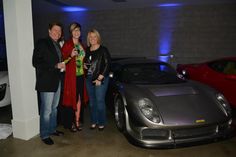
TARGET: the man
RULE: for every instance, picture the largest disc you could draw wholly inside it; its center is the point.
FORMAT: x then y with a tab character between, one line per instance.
48	63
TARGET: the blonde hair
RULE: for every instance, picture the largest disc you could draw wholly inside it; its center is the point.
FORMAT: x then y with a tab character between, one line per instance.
97	35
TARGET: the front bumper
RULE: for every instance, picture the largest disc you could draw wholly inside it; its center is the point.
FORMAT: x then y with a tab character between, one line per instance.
177	137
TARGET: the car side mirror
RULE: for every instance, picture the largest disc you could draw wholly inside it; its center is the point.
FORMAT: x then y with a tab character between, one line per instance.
183	74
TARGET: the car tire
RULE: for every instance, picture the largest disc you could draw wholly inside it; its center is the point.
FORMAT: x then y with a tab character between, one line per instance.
119	113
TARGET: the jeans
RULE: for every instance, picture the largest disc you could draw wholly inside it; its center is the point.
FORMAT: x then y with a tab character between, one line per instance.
48	112
97	101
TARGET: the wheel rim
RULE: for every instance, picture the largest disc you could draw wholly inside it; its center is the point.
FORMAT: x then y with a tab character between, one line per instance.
119	114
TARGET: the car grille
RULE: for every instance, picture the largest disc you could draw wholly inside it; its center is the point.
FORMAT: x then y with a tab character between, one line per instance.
184	133
159	134
194	132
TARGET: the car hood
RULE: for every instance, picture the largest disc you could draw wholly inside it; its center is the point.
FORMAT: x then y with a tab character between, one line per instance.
183	104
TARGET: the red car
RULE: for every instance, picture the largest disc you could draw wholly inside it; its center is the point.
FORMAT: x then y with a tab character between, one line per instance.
219	74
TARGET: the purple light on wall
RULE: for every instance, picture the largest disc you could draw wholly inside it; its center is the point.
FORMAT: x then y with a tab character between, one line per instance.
169	5
77	16
167	18
73	9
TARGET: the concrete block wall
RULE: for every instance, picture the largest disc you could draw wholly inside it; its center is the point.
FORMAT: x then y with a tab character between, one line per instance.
189	33
205	32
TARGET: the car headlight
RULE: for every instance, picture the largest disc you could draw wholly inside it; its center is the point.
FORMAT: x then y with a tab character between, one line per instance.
147	108
224	103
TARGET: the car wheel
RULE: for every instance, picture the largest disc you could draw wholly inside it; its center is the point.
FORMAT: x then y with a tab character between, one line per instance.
120	114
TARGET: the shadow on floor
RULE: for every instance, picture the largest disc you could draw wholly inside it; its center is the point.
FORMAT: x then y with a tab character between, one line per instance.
107	143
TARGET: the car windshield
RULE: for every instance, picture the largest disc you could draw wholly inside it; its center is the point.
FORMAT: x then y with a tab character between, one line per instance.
151	73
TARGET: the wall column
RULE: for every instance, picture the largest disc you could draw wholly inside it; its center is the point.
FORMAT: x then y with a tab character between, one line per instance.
19	46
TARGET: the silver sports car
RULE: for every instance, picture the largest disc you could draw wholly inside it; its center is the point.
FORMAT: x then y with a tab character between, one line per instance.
156	108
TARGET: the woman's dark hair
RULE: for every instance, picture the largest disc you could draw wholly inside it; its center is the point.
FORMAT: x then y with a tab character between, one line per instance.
73	26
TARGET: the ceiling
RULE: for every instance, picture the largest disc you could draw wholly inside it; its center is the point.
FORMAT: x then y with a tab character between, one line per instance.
56	5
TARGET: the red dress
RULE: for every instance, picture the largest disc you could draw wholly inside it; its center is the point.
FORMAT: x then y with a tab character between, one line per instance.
69	93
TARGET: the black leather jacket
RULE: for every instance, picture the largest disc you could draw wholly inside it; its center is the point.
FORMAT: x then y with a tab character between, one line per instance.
99	61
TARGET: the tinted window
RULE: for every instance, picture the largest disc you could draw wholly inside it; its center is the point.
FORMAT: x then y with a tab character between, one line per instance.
224	66
217	65
151	73
230	68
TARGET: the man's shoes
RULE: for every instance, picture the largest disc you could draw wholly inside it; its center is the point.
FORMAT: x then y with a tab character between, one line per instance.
58	133
93	126
48	141
101	128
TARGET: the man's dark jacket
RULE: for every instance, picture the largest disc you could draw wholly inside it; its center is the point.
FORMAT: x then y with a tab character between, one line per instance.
45	58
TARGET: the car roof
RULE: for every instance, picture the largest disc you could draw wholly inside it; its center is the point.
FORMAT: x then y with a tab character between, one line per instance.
136	61
225	58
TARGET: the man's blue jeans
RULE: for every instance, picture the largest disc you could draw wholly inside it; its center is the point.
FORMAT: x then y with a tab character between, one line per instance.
48	112
97	103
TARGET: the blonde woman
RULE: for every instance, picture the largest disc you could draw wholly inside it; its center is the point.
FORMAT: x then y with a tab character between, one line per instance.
97	63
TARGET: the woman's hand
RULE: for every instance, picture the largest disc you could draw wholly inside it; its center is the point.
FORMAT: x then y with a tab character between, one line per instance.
100	77
61	66
85	66
74	52
97	83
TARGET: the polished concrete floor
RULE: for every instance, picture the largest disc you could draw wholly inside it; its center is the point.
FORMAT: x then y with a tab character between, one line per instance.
108	143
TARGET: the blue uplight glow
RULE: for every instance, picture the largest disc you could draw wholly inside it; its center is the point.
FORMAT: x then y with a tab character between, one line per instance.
167	22
165	42
169	5
73	9
164	58
79	16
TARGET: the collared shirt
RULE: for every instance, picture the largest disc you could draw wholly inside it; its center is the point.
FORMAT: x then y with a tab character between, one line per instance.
58	49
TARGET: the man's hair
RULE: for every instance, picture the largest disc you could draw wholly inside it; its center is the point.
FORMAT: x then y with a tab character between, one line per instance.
54	24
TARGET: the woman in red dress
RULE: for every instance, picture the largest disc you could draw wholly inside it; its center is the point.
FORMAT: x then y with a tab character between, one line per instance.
74	94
